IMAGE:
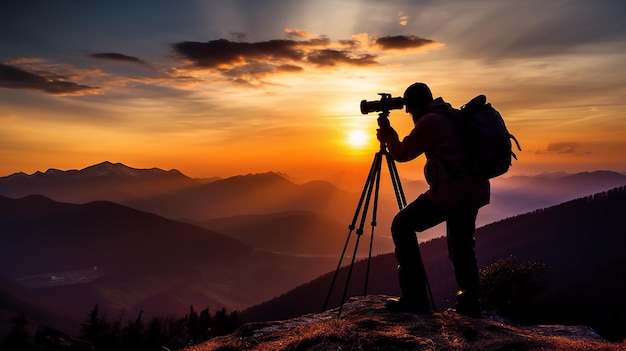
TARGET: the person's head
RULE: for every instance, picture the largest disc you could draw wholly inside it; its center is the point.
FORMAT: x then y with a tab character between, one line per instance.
416	97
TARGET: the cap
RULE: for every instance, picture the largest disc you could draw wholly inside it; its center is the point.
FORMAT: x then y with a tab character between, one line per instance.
418	95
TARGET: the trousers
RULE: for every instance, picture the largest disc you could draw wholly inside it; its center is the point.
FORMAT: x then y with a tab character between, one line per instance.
423	214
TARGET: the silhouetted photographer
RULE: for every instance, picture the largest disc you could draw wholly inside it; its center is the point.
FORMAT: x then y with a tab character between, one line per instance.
454	196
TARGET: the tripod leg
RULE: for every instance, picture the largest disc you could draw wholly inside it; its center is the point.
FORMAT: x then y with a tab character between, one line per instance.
395	180
374	211
332	285
374	169
374	174
345	289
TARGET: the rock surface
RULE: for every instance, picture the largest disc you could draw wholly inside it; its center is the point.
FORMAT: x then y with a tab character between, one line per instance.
364	324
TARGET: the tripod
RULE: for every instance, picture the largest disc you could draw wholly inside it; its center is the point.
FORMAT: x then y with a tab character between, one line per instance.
372	184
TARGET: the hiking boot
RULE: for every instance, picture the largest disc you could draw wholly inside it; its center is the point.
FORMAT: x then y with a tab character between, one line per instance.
467	304
468	310
399	304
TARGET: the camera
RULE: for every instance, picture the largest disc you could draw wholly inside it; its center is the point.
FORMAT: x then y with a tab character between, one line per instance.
385	103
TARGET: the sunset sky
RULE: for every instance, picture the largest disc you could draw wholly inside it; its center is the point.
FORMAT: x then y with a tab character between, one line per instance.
219	88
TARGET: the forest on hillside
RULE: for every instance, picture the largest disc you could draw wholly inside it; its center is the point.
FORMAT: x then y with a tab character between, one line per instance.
98	332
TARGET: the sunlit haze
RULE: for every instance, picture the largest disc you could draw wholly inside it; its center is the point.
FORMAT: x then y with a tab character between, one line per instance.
220	88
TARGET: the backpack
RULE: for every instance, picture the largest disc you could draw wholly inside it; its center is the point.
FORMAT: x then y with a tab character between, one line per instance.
487	139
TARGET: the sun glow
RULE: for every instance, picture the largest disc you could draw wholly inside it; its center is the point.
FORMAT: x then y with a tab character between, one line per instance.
357	138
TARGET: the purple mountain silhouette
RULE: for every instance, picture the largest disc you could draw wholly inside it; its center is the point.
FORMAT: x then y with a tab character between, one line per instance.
104	181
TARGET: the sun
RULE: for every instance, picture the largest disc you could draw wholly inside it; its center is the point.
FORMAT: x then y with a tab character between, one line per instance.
357	138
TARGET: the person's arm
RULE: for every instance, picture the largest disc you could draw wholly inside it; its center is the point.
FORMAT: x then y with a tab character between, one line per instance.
406	150
413	145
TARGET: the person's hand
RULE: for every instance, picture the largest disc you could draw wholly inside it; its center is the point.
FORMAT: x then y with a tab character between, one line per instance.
386	131
383	123
384	135
380	135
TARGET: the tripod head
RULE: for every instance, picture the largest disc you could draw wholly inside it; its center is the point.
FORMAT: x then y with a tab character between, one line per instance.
383	114
383	123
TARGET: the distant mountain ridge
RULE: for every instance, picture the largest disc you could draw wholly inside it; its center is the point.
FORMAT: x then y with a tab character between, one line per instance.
173	195
521	194
567	182
103	169
104	181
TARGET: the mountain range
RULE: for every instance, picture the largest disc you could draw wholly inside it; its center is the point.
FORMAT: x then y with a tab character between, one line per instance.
173	195
147	239
103	181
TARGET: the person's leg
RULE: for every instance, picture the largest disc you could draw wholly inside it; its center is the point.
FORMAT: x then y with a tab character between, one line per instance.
419	215
460	226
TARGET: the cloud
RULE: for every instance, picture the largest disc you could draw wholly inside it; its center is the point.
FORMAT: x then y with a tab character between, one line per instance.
245	74
13	77
563	147
117	57
222	52
403	19
403	42
330	57
247	61
250	61
298	33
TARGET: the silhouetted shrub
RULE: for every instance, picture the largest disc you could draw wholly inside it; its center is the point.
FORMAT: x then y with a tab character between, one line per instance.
508	288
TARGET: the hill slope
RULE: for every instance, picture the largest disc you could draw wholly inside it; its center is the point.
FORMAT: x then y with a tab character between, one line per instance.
126	260
293	232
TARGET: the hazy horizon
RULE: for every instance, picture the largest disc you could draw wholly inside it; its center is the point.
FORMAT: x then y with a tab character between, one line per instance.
338	179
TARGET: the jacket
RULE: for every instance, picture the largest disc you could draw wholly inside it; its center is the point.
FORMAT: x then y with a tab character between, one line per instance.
447	164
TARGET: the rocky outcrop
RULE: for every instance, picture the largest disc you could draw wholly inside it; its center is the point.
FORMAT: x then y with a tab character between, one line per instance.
364	324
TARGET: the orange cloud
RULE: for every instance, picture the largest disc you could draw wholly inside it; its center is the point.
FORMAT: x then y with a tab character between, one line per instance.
300	33
330	57
13	77
563	148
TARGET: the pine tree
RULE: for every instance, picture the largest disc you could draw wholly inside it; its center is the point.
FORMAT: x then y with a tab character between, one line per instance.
18	339
136	332
154	337
91	329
